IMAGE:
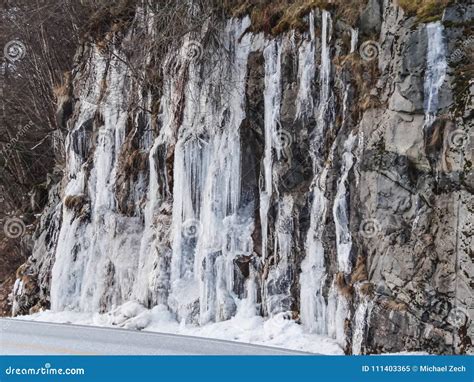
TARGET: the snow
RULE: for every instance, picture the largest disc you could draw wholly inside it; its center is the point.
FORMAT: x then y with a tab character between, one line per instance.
278	331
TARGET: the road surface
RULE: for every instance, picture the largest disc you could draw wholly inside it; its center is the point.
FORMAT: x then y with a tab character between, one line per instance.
18	337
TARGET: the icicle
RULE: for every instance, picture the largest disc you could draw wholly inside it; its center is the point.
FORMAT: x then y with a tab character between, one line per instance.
272	98
306	72
361	319
338	312
436	66
209	229
325	59
354	39
313	270
341	210
280	277
90	272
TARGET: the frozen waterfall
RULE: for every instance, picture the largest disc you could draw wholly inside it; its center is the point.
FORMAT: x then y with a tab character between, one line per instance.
436	66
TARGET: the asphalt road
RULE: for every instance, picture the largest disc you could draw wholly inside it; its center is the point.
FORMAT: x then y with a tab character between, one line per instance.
18	337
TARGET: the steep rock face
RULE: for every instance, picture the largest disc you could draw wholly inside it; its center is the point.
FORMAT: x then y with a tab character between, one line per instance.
318	172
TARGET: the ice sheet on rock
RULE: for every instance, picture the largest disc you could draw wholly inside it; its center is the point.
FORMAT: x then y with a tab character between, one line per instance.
313	269
354	39
436	66
94	265
281	277
361	319
338	311
210	226
341	209
306	72
272	99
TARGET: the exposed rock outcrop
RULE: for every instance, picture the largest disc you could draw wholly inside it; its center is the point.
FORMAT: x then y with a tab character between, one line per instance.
328	169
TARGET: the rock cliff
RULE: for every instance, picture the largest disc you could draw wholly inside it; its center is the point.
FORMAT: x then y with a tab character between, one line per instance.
323	171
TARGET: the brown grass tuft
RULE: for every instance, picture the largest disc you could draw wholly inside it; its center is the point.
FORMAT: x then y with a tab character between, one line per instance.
395	305
424	10
360	270
278	16
367	289
345	289
62	91
75	202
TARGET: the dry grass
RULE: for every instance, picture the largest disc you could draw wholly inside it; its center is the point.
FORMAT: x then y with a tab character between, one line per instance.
132	160
40	306
349	11
292	16
364	78
132	163
360	270
424	10
135	163
395	305
63	90
278	16
369	102
75	202
367	289
345	289
21	270
114	15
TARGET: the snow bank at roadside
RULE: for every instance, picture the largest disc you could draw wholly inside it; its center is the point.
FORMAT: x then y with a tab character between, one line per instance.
279	330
